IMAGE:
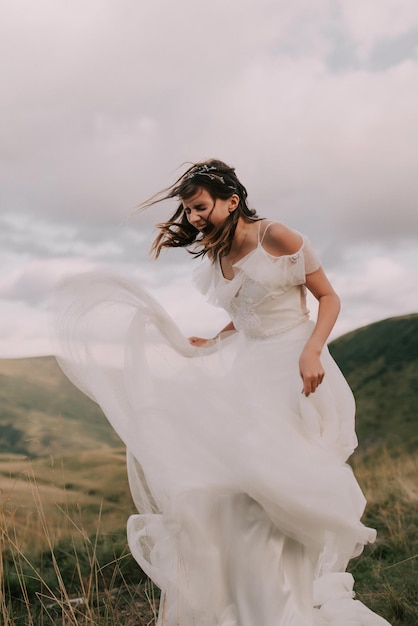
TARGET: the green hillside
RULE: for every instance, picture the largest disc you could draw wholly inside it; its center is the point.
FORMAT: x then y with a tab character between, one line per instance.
42	413
380	362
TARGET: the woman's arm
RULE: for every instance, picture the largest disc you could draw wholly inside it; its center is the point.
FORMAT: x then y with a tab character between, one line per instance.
310	365
200	341
279	239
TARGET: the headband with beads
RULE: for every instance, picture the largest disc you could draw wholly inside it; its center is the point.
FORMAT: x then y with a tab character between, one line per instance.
209	171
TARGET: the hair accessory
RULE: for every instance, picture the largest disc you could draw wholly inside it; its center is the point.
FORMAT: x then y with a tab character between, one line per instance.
211	171
205	170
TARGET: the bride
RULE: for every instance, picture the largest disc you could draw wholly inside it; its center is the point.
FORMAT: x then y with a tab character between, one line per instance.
237	444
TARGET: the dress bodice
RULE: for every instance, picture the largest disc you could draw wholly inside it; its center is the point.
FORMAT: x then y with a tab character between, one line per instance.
267	294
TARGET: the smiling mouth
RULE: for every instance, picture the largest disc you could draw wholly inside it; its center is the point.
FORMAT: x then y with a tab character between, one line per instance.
206	228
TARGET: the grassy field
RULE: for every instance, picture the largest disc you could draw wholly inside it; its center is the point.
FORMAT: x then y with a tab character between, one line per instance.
386	574
65	559
83	485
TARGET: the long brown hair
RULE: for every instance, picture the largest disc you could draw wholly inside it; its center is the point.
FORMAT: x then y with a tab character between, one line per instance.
220	181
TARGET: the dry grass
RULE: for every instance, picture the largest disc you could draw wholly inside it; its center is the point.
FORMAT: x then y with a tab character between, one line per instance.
63	563
53	571
386	574
81	485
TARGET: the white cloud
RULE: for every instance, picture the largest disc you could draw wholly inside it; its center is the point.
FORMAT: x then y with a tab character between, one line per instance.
374	286
104	99
31	281
24	330
368	22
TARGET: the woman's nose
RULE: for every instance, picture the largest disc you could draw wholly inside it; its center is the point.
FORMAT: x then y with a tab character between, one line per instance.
193	218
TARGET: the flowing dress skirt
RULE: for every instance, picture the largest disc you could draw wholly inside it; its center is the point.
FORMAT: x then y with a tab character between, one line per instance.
247	511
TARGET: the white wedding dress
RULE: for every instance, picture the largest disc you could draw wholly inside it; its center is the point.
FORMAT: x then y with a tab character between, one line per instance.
248	513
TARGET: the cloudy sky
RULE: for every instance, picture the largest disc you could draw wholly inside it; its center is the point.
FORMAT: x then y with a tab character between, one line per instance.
313	101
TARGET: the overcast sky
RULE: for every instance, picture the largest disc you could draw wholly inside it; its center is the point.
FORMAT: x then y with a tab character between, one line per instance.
313	101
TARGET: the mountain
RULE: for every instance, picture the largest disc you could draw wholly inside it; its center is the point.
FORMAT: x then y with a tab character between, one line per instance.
42	413
380	362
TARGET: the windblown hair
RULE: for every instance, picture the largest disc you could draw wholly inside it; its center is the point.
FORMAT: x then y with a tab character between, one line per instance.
220	181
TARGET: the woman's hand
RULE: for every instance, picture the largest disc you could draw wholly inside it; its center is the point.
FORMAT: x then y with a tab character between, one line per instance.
200	342
311	370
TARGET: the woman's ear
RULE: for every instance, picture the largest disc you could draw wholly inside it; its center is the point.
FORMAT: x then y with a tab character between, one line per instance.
233	202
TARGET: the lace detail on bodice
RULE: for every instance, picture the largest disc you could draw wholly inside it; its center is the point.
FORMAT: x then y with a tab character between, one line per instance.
242	308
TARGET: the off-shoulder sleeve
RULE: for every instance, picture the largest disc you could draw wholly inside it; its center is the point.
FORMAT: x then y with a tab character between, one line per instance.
203	276
312	262
283	271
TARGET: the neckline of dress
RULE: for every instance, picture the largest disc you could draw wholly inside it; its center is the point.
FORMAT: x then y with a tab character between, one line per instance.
259	245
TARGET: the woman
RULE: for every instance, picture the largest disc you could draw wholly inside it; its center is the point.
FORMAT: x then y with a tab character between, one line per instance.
248	513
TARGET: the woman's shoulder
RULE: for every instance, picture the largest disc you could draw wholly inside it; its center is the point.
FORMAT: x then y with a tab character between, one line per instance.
278	239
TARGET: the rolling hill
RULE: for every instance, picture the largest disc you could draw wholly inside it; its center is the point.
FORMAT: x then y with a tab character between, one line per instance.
380	362
42	413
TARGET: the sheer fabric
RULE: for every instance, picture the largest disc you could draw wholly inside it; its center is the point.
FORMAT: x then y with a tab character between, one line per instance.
247	511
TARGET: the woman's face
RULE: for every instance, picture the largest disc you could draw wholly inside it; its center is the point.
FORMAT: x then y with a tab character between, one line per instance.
202	210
